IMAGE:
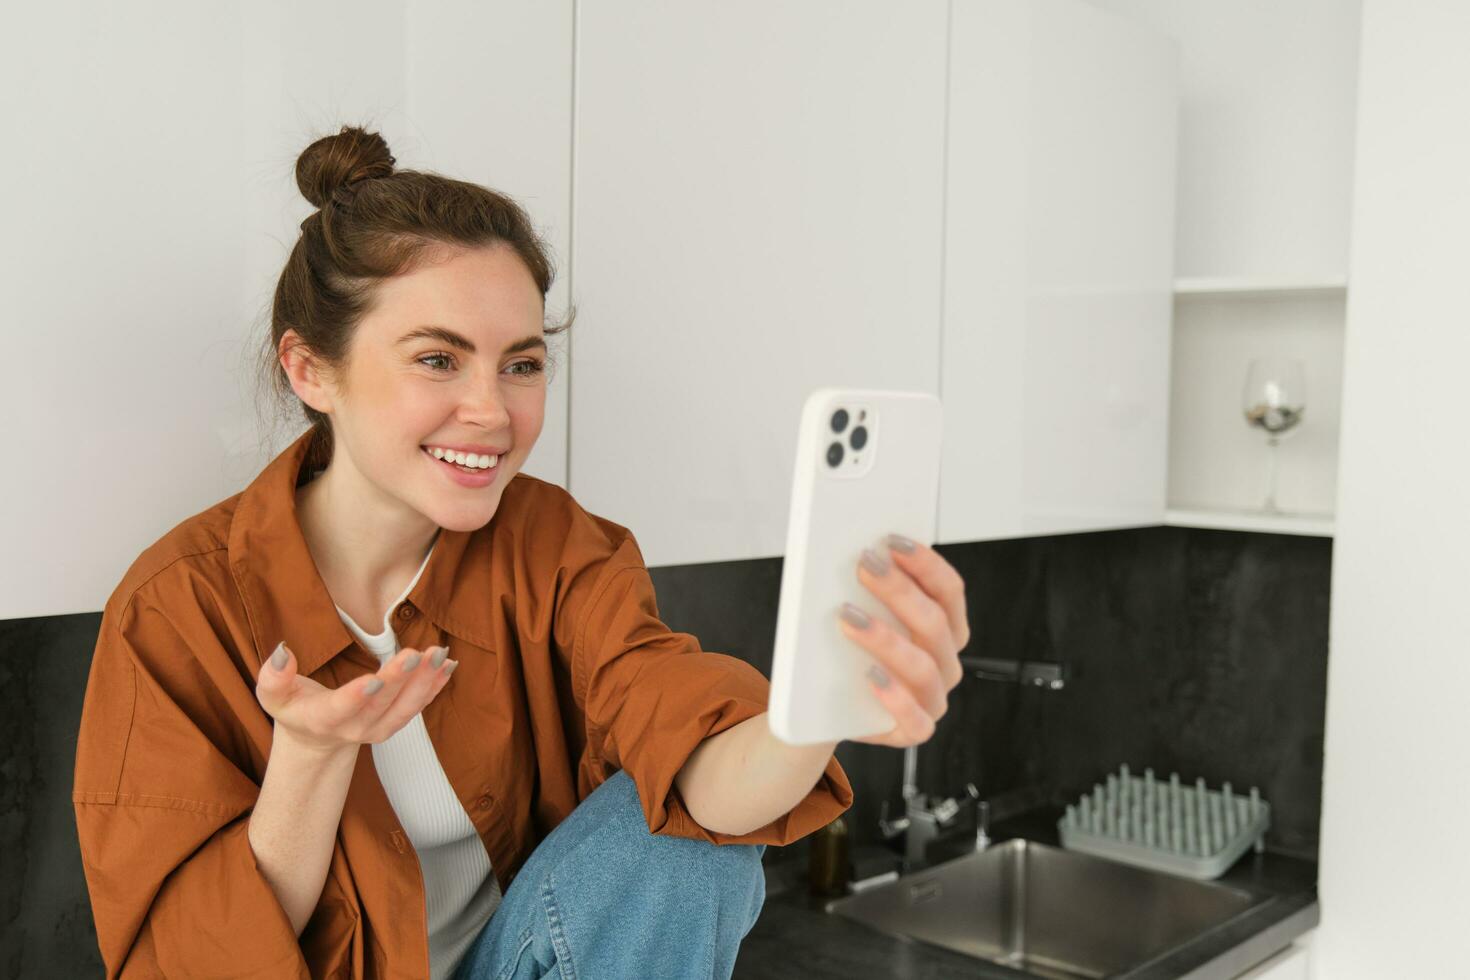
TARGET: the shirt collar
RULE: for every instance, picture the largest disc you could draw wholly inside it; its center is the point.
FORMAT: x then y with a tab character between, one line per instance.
286	598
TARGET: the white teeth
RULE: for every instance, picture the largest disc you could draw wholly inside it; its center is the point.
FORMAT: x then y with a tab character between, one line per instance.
474	460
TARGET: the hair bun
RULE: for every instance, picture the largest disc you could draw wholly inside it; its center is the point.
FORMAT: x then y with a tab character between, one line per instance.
331	163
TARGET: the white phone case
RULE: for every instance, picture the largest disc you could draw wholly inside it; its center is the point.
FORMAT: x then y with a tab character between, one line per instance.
819	687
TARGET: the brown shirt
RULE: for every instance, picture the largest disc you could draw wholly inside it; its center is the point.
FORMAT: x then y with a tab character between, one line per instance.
566	675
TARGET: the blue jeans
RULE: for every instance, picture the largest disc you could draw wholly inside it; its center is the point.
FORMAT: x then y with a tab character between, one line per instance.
601	898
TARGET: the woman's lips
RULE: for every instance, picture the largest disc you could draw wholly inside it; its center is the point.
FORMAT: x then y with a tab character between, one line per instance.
465	476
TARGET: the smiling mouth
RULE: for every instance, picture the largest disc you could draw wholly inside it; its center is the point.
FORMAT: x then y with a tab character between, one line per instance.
465	469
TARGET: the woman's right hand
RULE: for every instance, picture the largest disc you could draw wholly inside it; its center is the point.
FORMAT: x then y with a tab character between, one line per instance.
365	709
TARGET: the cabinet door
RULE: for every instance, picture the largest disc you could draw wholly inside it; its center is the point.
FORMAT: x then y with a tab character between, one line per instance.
467	99
1058	270
756	211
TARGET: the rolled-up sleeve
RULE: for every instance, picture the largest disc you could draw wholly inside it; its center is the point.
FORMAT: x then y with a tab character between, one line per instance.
162	815
650	695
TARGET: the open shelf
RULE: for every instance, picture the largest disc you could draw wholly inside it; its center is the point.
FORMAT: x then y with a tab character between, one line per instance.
1316	525
1247	287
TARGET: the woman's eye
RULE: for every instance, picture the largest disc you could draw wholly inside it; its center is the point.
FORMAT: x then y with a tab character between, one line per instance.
535	366
532	367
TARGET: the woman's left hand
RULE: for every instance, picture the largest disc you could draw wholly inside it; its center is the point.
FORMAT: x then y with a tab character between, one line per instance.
927	596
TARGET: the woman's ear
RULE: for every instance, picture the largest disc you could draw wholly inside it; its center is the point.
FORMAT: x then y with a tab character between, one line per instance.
310	379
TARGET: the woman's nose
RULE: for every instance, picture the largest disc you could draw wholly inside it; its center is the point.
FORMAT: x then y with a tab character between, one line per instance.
486	407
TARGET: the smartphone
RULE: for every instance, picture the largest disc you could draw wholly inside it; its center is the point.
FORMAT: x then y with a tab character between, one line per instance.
867	465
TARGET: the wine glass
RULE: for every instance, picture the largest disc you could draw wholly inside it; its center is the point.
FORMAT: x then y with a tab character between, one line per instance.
1274	400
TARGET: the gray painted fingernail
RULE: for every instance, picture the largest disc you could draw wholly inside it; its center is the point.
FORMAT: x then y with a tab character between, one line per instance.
437	657
855	616
411	662
879	677
874	562
373	686
449	667
901	543
279	658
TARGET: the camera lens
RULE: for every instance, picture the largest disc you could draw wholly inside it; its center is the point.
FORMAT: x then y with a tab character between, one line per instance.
859	437
834	454
839	420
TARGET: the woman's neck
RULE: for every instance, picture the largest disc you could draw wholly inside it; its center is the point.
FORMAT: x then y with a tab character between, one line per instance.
362	562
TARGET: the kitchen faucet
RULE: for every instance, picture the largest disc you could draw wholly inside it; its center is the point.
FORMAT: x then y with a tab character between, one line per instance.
923	819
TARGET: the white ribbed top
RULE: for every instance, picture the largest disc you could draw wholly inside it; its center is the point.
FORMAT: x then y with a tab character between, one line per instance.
459	889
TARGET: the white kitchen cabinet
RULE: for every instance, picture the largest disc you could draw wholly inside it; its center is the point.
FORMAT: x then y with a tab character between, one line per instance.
1266	151
1058	270
203	109
756	210
467	78
759	207
1263	243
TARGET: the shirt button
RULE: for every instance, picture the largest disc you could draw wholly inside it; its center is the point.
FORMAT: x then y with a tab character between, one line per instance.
485	801
405	611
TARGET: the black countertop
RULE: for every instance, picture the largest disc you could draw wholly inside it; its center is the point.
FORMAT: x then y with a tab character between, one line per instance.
796	939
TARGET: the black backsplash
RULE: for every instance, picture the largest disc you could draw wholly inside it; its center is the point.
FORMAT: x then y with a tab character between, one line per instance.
1198	651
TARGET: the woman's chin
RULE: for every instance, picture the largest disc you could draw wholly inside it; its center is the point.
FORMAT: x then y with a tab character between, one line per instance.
468	515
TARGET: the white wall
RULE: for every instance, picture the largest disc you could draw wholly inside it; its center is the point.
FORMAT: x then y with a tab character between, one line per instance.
150	206
1395	879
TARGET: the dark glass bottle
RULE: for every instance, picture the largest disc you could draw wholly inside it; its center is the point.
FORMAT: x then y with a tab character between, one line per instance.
829	868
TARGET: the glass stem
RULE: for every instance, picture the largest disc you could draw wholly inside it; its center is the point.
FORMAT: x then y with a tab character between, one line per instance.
1270	506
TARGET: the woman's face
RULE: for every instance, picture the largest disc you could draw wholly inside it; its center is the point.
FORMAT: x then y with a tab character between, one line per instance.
473	386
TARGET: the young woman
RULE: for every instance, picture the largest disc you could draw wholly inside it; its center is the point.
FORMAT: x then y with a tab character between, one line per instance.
553	779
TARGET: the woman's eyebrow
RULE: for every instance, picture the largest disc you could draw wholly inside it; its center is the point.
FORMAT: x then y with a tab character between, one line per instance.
453	339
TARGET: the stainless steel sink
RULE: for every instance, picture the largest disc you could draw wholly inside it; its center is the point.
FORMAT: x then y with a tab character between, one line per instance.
1047	911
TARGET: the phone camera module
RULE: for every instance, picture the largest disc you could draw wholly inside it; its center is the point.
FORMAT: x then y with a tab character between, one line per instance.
834	454
839	420
859	437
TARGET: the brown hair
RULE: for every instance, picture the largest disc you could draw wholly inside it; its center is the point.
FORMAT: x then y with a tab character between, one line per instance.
374	222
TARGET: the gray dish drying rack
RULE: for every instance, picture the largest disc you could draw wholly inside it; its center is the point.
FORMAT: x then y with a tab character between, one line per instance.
1166	826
